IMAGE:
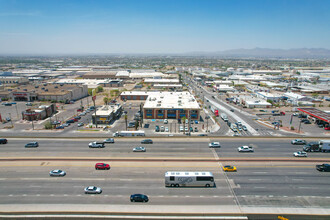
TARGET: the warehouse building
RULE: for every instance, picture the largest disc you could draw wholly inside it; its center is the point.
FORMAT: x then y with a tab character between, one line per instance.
107	114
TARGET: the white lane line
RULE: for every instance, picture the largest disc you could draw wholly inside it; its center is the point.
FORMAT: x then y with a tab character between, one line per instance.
10	195
24	195
297	179
255	179
260	172
259	187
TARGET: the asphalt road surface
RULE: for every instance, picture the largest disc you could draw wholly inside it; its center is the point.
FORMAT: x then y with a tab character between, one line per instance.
255	185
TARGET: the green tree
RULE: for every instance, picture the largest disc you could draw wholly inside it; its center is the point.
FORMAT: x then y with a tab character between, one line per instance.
106	100
48	125
99	89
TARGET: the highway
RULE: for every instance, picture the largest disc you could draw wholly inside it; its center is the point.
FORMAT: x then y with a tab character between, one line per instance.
256	184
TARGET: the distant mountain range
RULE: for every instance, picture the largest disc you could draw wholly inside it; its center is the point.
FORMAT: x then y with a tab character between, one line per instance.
269	53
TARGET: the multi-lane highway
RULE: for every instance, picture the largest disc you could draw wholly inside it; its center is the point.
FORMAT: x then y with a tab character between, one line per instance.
261	182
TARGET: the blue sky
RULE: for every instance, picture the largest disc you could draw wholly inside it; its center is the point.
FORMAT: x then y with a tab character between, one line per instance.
161	26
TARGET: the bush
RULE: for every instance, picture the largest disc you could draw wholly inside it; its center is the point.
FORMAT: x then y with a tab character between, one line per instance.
292	128
48	125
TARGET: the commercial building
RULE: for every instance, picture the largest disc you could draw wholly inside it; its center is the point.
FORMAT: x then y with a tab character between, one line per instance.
49	92
92	83
269	96
171	105
107	114
40	113
13	80
135	95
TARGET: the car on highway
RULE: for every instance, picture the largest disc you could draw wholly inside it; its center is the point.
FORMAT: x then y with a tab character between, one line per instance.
139	198
96	144
102	166
244	128
232	110
3	141
80	124
229	168
146	141
57	173
214	145
300	154
298	142
240	129
32	144
139	149
109	141
323	167
245	149
93	190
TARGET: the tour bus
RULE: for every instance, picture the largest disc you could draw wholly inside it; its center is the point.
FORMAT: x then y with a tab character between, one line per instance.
188	178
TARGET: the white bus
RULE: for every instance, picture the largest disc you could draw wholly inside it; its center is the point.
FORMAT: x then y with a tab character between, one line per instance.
188	178
128	133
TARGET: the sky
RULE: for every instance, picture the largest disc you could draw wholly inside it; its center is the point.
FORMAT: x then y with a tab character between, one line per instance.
160	26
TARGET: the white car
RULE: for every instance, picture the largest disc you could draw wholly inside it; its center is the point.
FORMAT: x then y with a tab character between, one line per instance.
181	128
57	173
96	144
166	129
139	149
93	190
298	142
165	121
214	145
162	128
245	149
186	129
300	154
244	127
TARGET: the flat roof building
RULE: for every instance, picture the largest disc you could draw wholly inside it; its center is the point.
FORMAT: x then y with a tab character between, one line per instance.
171	105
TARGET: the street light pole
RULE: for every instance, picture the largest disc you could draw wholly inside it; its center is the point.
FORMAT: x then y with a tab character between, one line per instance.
11	121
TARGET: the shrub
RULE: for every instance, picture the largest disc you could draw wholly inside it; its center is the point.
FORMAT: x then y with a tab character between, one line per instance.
292	128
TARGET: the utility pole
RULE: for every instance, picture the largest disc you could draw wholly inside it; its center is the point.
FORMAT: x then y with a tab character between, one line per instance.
11	121
299	126
17	112
207	123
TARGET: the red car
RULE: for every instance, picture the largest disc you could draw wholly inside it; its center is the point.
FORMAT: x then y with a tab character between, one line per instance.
75	119
327	128
102	166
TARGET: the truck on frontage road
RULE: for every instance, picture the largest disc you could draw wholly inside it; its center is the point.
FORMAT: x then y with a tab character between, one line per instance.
128	133
320	146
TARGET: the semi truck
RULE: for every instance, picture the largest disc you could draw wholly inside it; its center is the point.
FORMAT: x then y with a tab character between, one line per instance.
320	146
128	133
224	117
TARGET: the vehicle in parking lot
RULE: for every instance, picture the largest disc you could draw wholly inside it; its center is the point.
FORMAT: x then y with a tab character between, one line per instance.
7	104
70	121
146	141
295	114
166	129
162	128
77	117
186	129
28	104
82	114
307	122
245	149
66	125
3	141
57	173
109	140
229	168
196	129
139	149
32	144
300	154
240	129
60	127
181	128
214	145
139	198
196	122
80	124
93	190
157	128
202	135
96	144
165	121
298	142
102	166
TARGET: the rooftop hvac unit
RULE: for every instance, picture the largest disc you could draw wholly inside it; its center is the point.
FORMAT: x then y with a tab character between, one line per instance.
158	105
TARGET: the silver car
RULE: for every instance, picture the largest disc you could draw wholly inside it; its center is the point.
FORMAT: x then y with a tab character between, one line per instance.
300	154
93	190
57	173
298	142
139	149
245	149
109	140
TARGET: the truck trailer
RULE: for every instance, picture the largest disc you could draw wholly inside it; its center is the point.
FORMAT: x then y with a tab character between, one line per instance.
128	133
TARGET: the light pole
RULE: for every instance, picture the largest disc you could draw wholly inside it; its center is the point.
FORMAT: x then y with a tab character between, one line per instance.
11	121
299	126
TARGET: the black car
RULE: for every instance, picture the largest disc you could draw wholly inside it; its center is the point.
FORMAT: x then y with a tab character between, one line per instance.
146	141
32	144
139	198
3	141
157	128
307	122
